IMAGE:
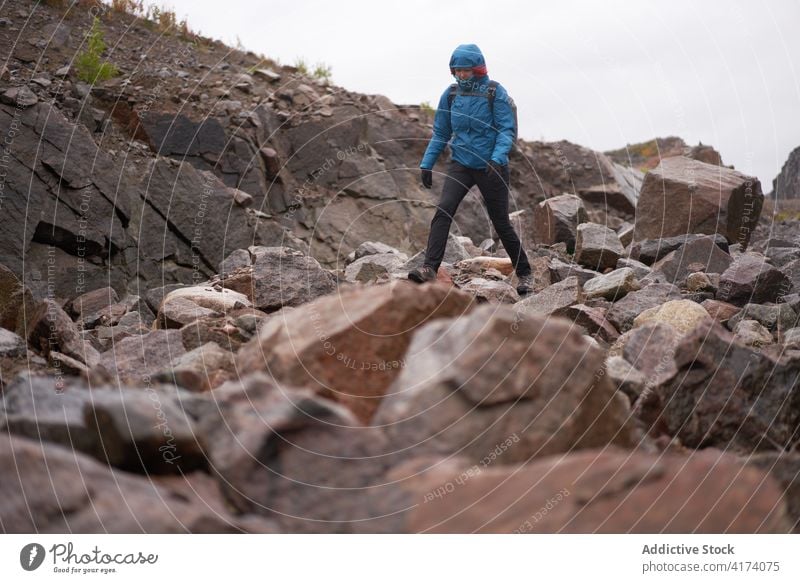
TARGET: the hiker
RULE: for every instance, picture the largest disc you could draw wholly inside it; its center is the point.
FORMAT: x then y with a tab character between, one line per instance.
478	115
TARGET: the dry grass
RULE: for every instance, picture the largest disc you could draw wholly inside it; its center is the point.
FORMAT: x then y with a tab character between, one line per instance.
782	210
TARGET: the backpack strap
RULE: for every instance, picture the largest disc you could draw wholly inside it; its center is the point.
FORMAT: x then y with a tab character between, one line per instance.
491	93
452	95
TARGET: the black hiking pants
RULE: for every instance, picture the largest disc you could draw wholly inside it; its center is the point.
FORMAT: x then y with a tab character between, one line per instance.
494	189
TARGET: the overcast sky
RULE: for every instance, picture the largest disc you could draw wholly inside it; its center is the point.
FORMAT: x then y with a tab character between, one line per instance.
600	74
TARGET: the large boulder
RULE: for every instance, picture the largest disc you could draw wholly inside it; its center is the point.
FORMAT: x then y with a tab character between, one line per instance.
556	220
57	490
648	251
281	276
185	305
726	395
608	491
144	431
134	360
375	267
751	279
554	299
597	247
612	286
352	345
496	375
295	457
682	196
623	312
16	302
51	331
683	315
699	255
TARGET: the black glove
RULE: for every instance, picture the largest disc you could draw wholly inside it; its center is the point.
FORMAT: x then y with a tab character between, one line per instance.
427	178
494	167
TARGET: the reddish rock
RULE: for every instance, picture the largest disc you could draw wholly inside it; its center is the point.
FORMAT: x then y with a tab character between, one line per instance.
556	220
682	196
495	375
606	492
350	346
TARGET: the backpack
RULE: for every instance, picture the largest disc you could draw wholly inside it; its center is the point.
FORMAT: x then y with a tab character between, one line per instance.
490	95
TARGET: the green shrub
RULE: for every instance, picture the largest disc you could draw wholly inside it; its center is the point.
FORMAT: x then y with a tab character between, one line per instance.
301	66
90	68
321	71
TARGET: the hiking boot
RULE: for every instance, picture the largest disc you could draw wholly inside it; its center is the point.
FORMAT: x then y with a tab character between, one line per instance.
525	284
424	274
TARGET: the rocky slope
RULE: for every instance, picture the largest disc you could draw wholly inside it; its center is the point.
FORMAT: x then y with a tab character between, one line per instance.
204	310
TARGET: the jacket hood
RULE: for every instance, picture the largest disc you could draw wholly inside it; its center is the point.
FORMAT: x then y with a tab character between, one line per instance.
467	56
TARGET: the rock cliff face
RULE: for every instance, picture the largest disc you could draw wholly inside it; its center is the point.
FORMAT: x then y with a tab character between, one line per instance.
205	310
786	185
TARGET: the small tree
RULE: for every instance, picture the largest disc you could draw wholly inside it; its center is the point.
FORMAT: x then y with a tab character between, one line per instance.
90	68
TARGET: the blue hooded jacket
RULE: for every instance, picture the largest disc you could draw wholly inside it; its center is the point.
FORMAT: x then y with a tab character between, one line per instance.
474	137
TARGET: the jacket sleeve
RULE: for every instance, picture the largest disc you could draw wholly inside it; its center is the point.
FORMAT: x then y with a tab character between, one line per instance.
442	132
504	122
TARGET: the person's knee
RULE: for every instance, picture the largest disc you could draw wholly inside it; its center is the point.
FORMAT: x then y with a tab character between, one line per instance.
444	213
504	227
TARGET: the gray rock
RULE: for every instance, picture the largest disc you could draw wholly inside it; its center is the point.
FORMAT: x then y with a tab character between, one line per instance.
775	318
11	345
372	248
791	338
453	253
50	329
46	497
238	258
705	403
612	286
649	251
597	246
285	277
201	369
640	270
682	195
556	220
459	398
650	349
374	267
19	97
752	333
485	290
134	360
553	300
701	254
559	271
625	377
624	311
142	431
750	279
